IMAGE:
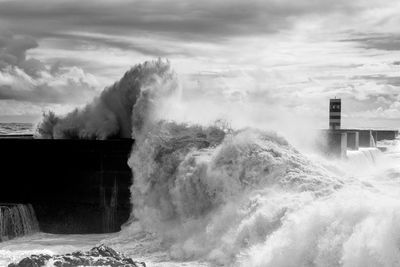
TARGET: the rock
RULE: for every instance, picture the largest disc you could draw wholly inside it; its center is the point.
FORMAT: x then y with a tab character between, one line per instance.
32	261
97	256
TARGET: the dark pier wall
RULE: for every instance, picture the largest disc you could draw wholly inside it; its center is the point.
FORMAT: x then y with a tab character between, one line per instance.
385	135
75	186
378	135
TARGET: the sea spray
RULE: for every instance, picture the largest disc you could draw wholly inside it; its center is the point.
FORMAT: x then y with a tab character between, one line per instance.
118	109
353	227
247	197
251	199
364	156
211	195
238	197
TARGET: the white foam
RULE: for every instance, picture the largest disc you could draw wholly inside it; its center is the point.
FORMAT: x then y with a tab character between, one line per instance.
247	197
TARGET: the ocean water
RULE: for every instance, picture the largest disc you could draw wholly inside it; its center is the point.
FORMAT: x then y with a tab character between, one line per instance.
16	249
16	128
354	223
210	195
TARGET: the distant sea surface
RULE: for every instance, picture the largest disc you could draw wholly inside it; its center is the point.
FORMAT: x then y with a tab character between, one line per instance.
16	128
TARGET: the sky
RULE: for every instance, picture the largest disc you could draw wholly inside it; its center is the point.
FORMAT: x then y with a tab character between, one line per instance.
261	57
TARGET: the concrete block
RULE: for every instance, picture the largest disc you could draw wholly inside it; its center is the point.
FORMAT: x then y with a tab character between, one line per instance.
365	138
336	144
386	135
353	141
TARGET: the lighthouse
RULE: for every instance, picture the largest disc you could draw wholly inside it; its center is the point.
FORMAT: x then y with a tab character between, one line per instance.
335	107
338	140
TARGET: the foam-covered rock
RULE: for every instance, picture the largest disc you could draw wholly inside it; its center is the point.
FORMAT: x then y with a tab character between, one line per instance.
97	256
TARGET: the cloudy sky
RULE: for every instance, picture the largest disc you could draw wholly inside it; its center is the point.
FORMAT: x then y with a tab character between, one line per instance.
292	55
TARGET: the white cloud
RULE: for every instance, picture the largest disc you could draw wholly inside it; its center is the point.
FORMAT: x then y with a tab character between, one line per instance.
37	85
294	54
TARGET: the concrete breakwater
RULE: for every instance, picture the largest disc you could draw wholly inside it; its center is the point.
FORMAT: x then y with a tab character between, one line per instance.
74	186
336	142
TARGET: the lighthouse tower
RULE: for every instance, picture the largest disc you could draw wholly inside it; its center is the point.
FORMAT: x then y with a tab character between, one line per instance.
335	107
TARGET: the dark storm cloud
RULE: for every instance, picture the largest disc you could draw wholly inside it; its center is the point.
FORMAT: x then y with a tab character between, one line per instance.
75	41
28	79
45	94
13	53
201	20
381	42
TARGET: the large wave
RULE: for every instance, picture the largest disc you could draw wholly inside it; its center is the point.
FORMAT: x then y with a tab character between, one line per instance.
124	106
235	196
247	197
212	194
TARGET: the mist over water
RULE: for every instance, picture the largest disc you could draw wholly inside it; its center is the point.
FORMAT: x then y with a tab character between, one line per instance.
238	196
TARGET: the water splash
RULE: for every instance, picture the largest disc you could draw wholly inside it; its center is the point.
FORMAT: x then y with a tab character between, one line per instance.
17	220
124	106
364	156
211	195
243	196
247	197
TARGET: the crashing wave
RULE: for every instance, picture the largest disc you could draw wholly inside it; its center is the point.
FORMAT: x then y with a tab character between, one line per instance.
17	220
113	114
364	156
211	194
234	197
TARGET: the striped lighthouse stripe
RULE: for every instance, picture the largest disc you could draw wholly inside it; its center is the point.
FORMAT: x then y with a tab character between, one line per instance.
335	106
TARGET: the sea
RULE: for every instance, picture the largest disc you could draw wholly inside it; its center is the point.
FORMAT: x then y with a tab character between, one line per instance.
16	128
230	194
252	200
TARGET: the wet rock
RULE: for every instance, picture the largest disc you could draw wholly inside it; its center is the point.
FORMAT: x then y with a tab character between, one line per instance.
97	256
